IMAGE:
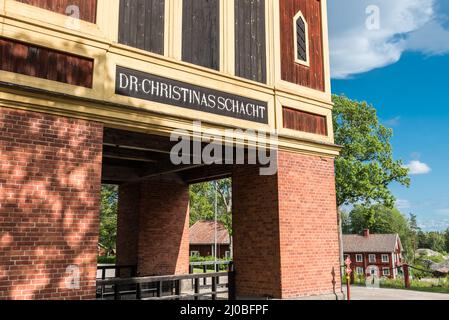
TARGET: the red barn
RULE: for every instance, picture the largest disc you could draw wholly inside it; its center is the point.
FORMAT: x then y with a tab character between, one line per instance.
374	254
202	240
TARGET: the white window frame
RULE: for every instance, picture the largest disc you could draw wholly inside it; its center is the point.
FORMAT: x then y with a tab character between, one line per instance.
357	256
295	40
194	253
372	260
359	270
387	258
386	272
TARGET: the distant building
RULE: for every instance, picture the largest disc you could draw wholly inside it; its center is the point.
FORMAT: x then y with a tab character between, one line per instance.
202	240
374	254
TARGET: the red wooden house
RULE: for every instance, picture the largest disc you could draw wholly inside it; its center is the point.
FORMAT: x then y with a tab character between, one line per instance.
374	254
202	240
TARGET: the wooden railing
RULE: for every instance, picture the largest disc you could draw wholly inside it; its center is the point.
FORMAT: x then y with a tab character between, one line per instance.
182	287
206	265
118	271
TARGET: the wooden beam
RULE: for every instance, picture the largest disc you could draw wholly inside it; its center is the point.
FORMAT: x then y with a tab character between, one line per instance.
137	141
131	155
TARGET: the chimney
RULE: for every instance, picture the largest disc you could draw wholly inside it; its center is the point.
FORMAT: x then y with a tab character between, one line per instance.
366	233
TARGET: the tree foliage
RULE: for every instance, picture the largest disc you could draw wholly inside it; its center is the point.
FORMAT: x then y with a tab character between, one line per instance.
366	167
108	218
202	202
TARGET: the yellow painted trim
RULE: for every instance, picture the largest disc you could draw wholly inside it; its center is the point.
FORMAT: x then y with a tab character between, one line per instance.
269	20
134	120
227	36
326	53
174	29
108	18
167	27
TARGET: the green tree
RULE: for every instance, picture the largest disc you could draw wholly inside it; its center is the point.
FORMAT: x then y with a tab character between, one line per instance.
202	202
414	231
446	240
108	218
365	167
432	240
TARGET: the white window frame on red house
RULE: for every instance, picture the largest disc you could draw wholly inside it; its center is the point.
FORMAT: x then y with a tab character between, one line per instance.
194	253
387	258
357	256
372	260
359	270
386	272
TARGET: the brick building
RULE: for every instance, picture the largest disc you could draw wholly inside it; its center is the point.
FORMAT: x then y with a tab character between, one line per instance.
202	240
92	91
374	254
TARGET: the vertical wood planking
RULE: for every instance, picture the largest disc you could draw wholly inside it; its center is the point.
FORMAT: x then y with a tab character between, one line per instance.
304	121
250	40
312	76
45	63
201	33
88	8
142	24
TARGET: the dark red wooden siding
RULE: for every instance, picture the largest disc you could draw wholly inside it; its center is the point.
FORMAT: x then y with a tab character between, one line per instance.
313	76
304	121
45	63
88	8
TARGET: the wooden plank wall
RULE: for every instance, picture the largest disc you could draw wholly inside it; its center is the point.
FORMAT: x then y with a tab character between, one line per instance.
313	76
88	8
304	121
45	63
141	24
201	33
250	40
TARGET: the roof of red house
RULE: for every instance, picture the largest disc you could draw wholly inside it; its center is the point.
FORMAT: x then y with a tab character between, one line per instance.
375	243
203	232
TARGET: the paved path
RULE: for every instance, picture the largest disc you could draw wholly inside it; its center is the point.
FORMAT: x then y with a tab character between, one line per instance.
363	293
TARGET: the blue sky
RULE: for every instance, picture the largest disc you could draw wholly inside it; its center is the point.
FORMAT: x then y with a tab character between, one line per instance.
401	66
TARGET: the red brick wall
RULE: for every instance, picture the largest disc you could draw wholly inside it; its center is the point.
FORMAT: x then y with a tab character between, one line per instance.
128	223
50	181
164	229
157	237
285	229
309	242
255	222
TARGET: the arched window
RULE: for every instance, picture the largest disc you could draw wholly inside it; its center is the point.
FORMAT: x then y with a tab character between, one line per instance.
301	39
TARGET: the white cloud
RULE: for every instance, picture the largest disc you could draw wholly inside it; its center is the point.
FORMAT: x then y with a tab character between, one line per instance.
417	167
393	122
404	25
403	204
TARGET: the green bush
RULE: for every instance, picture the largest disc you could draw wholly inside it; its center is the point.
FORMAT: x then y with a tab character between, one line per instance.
107	260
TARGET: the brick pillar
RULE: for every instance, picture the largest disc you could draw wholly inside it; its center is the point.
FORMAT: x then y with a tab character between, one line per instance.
285	229
153	227
50	180
128	224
